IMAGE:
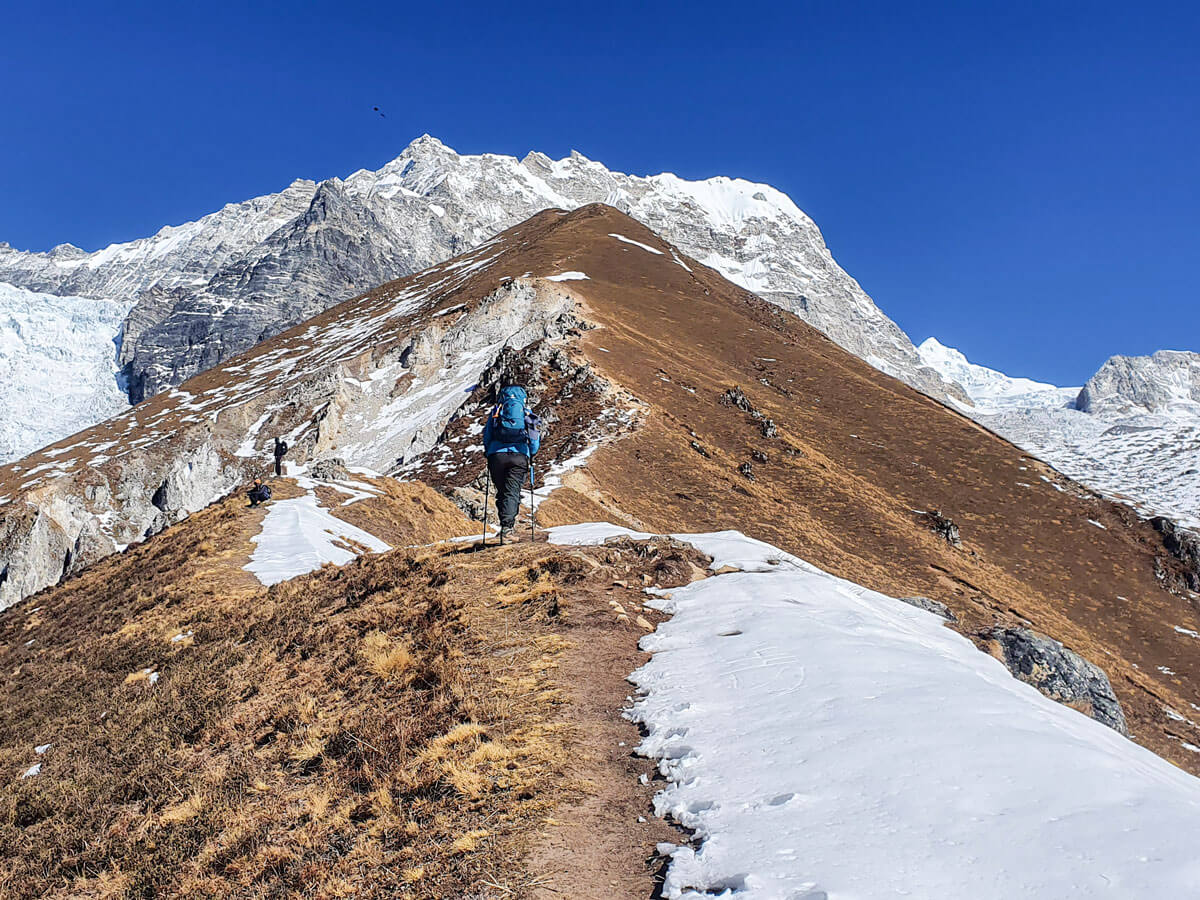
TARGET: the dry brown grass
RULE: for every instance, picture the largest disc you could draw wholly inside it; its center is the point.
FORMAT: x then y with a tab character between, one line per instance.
383	730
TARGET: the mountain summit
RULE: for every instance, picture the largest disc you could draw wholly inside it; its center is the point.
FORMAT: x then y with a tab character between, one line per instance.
206	290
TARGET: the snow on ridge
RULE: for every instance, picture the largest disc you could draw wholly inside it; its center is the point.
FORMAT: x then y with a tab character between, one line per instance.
824	740
1139	443
568	276
990	389
299	536
625	240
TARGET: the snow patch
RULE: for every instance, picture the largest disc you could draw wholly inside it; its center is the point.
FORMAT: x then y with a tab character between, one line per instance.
824	740
625	240
299	536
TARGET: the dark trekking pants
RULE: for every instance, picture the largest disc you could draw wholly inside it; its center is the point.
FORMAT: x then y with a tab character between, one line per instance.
508	471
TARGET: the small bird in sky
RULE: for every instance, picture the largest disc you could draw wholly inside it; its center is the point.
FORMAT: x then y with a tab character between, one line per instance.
381	115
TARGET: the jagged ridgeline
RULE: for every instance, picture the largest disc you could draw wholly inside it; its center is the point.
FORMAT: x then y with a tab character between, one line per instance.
198	293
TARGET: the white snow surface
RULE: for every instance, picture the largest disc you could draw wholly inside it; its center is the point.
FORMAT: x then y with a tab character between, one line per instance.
567	276
58	368
990	390
1141	446
300	536
625	240
826	741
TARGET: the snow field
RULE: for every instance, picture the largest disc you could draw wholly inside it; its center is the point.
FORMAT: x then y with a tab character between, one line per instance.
826	741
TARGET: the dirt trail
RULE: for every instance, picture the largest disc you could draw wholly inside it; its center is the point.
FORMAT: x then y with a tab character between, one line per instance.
602	844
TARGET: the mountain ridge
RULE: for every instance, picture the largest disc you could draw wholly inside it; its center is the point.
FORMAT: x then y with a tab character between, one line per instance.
429	204
643	362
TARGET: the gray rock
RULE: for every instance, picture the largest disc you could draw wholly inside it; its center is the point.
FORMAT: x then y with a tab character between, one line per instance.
1183	545
336	388
207	290
1166	383
934	606
331	468
1060	674
943	526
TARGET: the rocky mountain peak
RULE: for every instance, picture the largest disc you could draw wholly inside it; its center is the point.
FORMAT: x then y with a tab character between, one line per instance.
201	289
1166	383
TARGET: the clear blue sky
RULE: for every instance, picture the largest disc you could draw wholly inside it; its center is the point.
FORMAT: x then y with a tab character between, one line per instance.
1021	180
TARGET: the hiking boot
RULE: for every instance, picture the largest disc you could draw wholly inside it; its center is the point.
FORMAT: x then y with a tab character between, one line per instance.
506	535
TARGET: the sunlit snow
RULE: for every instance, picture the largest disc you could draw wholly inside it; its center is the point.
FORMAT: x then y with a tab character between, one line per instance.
299	536
827	741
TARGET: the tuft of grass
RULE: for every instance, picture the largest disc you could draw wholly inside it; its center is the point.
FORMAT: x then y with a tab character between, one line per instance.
469	842
389	659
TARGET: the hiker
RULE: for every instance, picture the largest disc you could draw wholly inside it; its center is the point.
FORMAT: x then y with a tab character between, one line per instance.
281	448
510	439
259	493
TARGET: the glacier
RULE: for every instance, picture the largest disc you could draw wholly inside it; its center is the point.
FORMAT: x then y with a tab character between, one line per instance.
58	365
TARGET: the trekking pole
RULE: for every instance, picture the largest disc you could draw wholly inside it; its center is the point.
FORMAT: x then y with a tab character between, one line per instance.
532	536
487	483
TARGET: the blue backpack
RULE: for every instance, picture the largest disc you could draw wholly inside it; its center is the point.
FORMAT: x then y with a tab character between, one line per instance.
508	422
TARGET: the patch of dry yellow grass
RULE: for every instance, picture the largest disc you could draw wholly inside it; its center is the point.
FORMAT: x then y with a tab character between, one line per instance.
391	660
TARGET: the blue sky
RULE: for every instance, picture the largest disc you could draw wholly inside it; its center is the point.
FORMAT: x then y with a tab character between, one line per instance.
1018	179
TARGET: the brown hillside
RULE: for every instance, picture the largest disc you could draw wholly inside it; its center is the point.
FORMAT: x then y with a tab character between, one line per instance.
337	733
857	458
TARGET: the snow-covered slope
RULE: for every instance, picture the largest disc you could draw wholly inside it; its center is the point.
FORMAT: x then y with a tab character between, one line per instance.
824	740
58	366
1133	434
209	289
990	390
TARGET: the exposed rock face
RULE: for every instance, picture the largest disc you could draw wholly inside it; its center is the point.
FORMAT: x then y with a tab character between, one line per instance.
209	289
1060	674
943	526
329	469
1167	383
934	606
335	249
1184	545
372	382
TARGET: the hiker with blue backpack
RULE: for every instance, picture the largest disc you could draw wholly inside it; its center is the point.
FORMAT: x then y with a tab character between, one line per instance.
510	440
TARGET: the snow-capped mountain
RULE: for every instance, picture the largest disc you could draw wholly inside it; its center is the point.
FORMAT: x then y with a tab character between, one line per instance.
58	366
992	391
1165	384
206	290
1132	432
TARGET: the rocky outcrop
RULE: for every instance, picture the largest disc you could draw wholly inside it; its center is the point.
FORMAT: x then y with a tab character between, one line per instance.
373	383
939	609
943	526
1184	547
1060	674
1167	383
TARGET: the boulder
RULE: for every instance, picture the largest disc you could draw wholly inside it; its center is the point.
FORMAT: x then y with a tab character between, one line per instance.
934	606
329	469
1060	674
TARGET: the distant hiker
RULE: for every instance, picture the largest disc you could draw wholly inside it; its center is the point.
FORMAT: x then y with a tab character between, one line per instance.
281	448
510	439
260	493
